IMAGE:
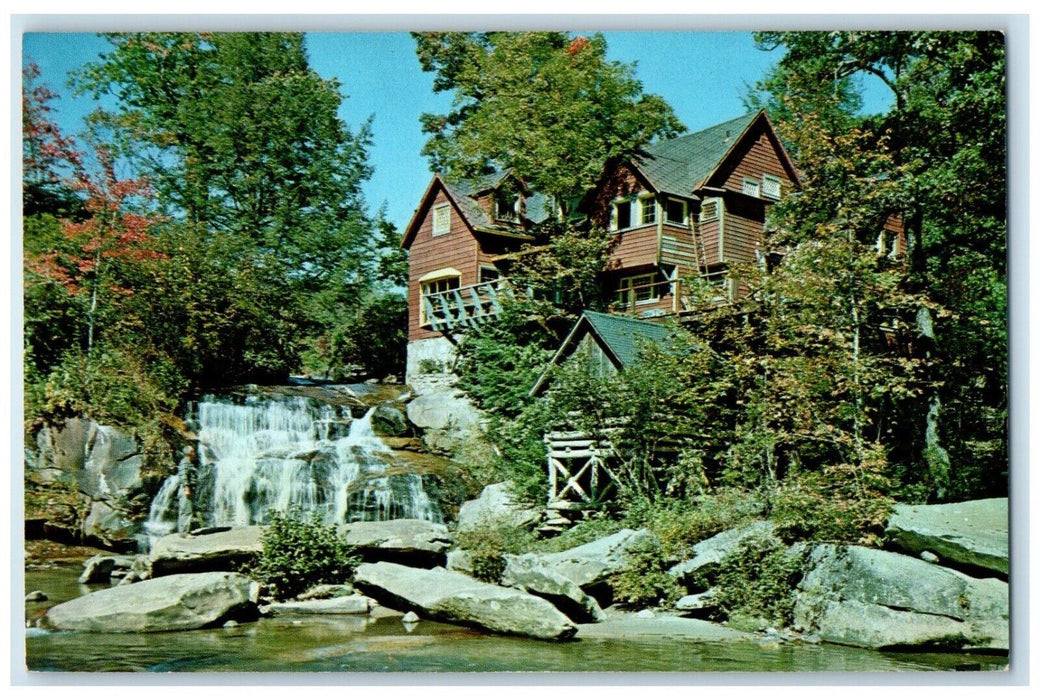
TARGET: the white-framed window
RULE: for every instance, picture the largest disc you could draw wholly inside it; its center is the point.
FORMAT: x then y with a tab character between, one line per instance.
622	215
641	289
675	211
434	286
441	219
751	187
711	209
647	210
771	186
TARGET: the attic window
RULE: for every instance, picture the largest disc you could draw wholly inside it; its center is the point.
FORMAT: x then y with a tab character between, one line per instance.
632	212
441	219
675	211
771	186
711	209
507	206
751	187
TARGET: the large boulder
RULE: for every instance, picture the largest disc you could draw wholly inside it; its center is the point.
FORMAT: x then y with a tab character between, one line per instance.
495	506
389	421
528	574
447	419
406	541
972	535
439	594
708	553
222	550
172	603
877	599
101	567
591	565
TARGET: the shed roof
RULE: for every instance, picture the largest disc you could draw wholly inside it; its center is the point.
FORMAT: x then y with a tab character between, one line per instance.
621	337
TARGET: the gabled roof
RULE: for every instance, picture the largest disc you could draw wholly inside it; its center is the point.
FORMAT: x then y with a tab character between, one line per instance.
621	338
682	165
464	193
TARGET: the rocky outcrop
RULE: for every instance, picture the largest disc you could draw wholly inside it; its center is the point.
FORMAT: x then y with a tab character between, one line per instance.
446	418
223	550
104	466
495	506
406	541
591	565
972	535
877	599
708	553
171	603
529	574
389	421
439	594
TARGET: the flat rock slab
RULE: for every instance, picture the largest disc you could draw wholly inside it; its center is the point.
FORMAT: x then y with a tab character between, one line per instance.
495	506
592	563
170	603
630	626
971	534
405	541
528	575
218	551
343	605
447	596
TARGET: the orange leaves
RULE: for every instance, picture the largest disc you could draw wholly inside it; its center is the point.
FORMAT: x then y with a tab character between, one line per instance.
578	45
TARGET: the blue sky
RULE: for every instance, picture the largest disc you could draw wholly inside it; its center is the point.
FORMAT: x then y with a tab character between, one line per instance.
703	75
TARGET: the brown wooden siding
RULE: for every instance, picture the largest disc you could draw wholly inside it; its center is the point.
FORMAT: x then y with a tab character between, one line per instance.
623	182
710	239
753	158
742	234
457	249
635	247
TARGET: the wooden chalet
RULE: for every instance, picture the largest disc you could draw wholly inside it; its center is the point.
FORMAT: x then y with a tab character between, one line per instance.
689	206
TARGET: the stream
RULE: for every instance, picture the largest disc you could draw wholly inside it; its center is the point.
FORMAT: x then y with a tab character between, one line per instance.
337	643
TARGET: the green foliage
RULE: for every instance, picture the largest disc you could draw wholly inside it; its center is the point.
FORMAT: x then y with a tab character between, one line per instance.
546	104
843	503
645	581
375	338
757	580
488	542
298	554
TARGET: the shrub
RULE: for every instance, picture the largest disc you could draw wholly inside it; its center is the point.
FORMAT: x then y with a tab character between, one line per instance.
298	554
488	543
645	581
758	580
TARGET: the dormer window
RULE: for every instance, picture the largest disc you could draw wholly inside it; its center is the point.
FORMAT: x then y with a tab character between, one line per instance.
441	219
622	215
751	187
507	206
771	186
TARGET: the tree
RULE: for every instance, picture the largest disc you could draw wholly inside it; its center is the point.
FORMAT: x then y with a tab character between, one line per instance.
49	157
548	105
945	134
247	155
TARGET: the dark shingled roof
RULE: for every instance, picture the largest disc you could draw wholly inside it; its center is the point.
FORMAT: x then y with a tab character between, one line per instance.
625	336
677	166
465	191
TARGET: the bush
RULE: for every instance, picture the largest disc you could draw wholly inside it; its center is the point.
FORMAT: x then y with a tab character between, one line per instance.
645	581
489	542
757	580
298	554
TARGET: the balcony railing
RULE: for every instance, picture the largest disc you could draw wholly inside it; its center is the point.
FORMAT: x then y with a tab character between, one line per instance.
463	306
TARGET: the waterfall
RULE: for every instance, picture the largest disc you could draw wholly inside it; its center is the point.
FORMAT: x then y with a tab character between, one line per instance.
268	454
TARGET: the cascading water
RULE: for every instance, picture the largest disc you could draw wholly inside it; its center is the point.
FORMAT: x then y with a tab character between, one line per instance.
268	454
